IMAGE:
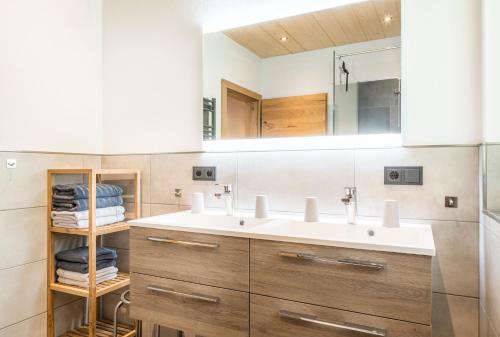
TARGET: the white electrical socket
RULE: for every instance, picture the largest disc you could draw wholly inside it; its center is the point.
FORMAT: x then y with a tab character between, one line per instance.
11	163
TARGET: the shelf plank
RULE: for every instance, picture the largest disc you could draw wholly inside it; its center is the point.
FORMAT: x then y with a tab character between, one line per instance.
122	280
104	329
93	171
101	230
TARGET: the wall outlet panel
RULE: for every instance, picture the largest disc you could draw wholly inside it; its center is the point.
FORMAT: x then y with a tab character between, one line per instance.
204	173
403	175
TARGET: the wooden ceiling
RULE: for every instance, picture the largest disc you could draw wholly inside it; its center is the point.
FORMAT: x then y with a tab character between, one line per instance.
358	22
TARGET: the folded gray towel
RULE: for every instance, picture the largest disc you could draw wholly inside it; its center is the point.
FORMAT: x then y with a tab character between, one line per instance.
83	268
81	254
79	205
81	191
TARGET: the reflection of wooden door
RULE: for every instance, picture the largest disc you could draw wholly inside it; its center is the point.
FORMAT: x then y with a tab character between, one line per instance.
294	116
240	113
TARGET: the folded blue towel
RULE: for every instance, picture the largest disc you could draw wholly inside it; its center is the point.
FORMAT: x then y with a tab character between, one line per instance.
81	191
83	268
79	205
81	254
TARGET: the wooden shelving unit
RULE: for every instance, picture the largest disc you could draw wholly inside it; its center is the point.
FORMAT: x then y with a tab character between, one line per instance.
92	328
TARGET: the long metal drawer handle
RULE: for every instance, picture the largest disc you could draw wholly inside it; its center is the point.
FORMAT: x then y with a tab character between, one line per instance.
339	325
205	298
184	243
350	262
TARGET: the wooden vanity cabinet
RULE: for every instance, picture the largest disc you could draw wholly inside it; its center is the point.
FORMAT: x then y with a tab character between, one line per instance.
379	283
213	260
273	317
209	311
218	286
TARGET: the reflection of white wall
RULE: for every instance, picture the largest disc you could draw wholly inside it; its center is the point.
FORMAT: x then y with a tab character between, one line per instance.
312	72
225	59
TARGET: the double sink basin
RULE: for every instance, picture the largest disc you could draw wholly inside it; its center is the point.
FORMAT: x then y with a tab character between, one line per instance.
368	234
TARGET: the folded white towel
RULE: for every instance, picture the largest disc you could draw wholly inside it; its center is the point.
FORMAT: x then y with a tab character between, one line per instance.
85	277
106	220
85	284
84	215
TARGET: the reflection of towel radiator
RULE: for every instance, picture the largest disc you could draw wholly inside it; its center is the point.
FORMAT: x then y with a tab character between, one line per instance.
209	118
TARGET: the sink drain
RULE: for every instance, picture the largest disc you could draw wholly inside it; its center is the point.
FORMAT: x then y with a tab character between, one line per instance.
242	222
371	232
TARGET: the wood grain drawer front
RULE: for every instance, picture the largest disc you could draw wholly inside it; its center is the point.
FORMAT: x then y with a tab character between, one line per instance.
207	311
377	283
214	260
281	318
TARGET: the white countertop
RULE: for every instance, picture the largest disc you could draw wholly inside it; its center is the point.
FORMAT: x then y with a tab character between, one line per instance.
410	238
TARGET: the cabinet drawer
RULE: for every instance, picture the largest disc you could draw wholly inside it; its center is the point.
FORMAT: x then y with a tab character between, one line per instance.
208	311
281	318
214	260
383	284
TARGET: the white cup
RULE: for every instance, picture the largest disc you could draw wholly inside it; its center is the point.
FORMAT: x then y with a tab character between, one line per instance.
390	218
198	203
261	206
311	213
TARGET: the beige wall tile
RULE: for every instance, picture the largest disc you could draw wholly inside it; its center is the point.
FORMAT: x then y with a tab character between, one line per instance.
449	171
170	171
457	253
141	162
486	328
22	292
158	209
491	275
454	316
288	177
33	327
123	260
116	240
69	316
26	186
109	303
90	161
23	236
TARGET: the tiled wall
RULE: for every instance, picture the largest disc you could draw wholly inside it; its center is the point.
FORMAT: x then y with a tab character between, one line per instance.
287	177
23	248
490	277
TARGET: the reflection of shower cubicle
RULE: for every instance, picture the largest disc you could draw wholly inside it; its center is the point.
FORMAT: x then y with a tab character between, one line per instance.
367	97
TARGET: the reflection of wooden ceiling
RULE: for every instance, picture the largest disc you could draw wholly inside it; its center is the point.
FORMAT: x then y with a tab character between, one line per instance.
358	22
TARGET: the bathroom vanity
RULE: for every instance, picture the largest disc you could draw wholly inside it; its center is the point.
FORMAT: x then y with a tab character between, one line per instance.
218	276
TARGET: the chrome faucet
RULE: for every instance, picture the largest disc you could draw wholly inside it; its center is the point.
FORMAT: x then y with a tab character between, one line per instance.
227	195
350	202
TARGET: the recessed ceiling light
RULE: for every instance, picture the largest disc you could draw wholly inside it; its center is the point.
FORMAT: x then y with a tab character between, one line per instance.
284	38
387	18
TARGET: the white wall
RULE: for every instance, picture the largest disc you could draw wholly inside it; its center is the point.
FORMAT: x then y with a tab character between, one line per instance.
491	71
441	59
50	75
225	59
152	76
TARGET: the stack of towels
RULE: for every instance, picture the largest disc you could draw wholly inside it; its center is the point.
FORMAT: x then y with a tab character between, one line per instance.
70	205
73	266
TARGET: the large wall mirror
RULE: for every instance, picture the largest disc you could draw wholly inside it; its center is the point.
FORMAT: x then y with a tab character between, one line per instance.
332	72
